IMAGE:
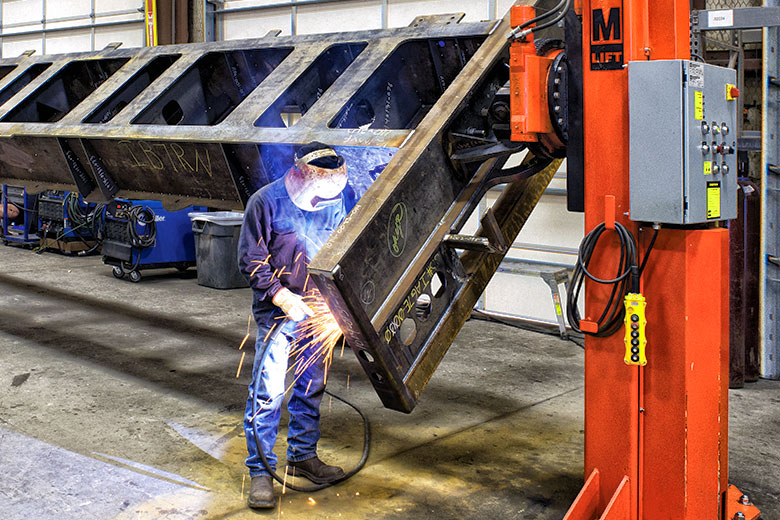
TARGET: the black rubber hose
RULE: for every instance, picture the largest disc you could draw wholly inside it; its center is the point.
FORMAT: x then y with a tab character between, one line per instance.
626	279
264	460
142	215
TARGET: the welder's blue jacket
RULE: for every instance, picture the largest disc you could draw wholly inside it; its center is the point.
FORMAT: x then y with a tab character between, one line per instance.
277	241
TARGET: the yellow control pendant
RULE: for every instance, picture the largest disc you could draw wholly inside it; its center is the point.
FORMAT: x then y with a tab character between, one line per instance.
636	341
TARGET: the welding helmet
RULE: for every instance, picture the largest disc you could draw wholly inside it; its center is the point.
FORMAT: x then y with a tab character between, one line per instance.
317	177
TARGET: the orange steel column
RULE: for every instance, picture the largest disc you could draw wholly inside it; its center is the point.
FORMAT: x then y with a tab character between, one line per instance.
656	437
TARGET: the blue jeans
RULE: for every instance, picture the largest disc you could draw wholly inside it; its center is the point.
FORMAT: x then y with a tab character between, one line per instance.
303	407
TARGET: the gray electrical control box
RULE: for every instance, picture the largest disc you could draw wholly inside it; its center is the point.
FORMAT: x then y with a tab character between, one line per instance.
683	124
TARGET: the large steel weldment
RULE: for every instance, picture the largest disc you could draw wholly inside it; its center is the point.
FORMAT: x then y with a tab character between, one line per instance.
210	123
392	273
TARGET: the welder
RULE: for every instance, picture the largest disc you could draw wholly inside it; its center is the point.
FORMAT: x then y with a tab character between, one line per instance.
285	223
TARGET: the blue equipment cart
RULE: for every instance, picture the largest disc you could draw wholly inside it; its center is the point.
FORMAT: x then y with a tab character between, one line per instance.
67	223
141	234
23	229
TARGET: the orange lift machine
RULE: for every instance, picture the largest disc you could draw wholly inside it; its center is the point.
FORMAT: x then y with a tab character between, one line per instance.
660	177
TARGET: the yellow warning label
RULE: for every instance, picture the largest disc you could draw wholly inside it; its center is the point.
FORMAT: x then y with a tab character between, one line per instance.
699	105
713	200
707	167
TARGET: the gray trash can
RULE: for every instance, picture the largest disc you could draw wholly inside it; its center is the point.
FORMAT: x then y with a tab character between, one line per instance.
216	246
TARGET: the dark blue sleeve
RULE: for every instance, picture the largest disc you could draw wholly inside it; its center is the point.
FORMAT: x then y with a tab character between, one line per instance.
253	255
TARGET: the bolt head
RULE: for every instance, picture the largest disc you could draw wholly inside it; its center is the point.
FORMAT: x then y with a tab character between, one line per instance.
739	515
744	500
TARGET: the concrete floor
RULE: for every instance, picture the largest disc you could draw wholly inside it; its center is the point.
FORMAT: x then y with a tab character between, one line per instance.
121	401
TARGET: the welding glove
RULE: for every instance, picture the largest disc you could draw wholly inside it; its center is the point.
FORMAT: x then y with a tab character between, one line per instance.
292	304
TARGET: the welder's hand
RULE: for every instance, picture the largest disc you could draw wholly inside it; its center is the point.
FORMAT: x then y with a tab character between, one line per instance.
292	305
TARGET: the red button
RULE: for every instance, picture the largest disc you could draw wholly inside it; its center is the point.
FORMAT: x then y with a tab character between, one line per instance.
734	92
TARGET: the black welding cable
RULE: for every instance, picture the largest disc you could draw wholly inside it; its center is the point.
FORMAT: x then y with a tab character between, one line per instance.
82	218
264	460
625	280
141	216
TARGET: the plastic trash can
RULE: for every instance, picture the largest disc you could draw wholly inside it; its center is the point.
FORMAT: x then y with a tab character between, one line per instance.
216	248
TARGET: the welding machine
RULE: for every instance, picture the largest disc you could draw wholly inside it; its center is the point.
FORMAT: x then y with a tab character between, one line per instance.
69	224
21	230
141	234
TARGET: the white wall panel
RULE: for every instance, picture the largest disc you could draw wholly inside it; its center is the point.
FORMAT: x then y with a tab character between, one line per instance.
256	24
401	12
129	35
64	8
13	47
339	17
68	41
19	11
102	6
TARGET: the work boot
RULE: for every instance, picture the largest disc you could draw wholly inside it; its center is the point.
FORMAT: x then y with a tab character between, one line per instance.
315	470
261	493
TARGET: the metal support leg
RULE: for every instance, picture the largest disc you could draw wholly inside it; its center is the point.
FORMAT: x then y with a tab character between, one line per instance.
552	281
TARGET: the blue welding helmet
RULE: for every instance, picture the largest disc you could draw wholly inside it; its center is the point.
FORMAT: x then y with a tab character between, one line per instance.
317	178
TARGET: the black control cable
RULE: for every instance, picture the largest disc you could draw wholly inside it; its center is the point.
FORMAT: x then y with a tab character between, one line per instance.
261	453
560	10
626	279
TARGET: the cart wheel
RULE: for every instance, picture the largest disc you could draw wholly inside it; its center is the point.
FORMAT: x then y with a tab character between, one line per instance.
134	276
117	272
182	268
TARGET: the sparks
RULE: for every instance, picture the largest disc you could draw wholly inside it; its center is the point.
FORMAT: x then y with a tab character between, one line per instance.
240	364
317	337
248	327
